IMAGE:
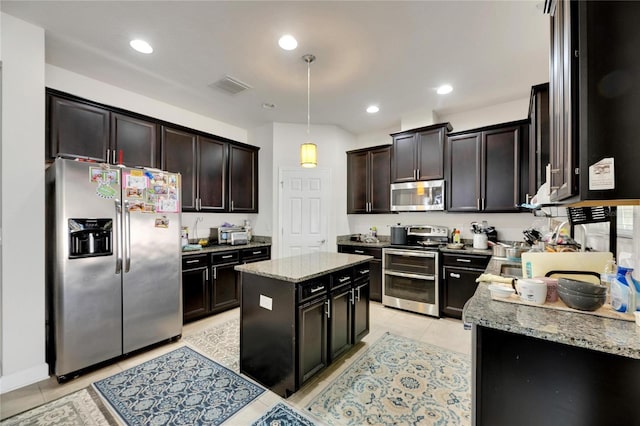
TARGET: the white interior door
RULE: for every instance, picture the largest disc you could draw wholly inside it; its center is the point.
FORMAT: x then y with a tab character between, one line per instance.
304	211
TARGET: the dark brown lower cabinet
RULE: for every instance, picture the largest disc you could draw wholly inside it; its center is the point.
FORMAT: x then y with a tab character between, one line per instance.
195	287
312	337
340	316
291	331
458	282
226	291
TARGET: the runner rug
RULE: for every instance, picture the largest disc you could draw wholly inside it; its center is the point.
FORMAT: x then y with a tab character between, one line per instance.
399	381
83	407
181	387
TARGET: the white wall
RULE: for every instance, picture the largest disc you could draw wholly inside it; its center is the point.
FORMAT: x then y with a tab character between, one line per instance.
97	91
332	144
23	124
495	114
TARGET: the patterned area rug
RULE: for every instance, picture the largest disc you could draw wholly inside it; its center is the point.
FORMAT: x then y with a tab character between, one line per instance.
220	343
178	388
399	381
283	415
83	407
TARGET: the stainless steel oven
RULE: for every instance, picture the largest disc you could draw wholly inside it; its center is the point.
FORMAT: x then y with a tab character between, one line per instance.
410	280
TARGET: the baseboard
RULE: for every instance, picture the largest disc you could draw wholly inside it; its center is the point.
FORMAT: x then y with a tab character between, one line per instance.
24	378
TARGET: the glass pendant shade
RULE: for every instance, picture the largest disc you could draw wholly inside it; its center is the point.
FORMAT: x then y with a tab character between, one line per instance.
308	155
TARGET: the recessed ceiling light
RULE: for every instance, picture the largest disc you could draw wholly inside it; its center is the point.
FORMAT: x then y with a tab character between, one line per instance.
287	42
267	105
141	46
444	89
372	109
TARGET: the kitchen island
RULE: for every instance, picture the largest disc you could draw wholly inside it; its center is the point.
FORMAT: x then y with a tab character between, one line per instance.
299	314
538	366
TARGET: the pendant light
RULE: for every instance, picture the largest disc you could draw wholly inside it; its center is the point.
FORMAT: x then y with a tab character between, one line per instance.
308	151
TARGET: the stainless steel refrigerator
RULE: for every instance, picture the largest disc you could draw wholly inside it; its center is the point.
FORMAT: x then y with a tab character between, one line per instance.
113	262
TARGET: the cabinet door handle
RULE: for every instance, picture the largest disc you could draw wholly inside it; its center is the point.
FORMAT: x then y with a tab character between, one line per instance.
359	293
193	261
215	272
359	251
353	296
343	280
108	156
328	308
231	205
364	272
206	275
451	274
414	175
463	260
228	256
113	157
417	174
483	207
317	289
257	252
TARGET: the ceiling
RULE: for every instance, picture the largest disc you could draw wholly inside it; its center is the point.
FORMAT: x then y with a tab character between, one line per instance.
393	54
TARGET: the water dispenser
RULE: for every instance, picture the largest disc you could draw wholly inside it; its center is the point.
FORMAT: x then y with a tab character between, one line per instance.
90	237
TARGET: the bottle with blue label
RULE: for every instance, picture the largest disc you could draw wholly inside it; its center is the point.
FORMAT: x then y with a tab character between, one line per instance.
625	291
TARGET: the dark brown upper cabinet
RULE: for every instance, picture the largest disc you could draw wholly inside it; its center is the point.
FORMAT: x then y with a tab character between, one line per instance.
243	179
80	128
180	155
218	174
418	154
539	133
136	139
488	168
594	102
77	128
368	180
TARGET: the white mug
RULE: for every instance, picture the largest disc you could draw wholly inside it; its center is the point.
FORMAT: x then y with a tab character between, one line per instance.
532	291
480	241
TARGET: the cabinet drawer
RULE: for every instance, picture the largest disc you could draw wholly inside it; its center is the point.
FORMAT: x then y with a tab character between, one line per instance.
193	262
258	253
465	260
225	257
311	289
367	251
361	271
342	278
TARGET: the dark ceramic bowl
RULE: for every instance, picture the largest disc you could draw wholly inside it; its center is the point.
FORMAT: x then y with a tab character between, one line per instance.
582	286
581	301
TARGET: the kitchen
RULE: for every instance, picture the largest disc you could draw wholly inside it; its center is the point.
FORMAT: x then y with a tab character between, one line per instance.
25	355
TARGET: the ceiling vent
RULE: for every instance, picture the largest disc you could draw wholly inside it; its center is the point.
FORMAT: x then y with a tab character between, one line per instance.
231	85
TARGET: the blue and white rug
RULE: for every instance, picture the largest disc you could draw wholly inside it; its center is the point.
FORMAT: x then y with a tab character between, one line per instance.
178	388
282	415
399	381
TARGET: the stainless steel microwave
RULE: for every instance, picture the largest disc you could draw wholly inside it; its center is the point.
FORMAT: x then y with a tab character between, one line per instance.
417	196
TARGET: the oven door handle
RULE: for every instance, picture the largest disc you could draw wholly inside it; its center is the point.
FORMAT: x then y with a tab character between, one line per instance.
416	276
410	253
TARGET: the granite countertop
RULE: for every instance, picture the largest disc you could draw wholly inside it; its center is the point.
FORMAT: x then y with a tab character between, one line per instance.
301	268
613	336
225	247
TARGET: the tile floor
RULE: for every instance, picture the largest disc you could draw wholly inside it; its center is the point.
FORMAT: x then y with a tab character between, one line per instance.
445	332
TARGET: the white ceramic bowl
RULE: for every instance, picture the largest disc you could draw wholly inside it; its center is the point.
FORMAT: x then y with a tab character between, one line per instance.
500	291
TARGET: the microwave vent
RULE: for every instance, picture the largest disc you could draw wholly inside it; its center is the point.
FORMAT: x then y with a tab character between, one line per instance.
231	85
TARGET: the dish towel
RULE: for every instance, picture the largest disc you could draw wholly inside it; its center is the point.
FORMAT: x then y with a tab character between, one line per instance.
491	278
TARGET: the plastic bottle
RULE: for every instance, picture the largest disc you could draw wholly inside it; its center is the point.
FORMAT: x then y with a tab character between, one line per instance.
623	291
608	275
247	228
456	237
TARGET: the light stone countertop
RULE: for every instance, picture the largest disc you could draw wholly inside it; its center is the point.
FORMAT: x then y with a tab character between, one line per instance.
225	247
613	336
301	268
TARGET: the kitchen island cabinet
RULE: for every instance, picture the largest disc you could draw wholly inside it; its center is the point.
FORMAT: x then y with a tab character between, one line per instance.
538	366
299	314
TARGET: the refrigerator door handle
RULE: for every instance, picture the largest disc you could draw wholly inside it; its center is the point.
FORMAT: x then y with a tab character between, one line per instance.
127	237
118	235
